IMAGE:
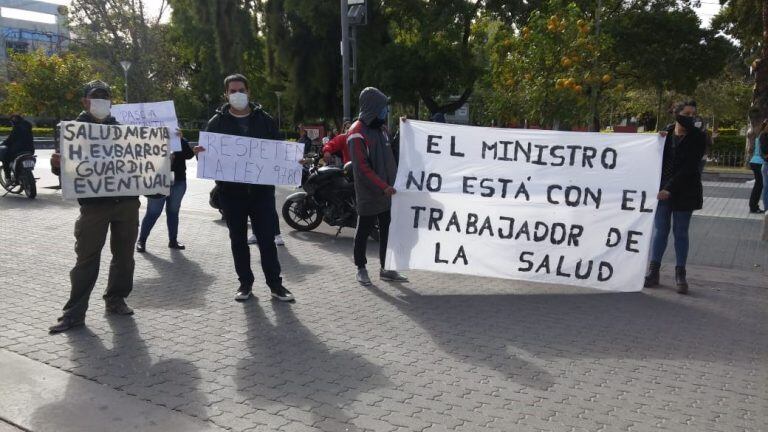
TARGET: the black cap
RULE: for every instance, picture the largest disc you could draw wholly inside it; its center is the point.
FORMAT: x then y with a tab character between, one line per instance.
96	85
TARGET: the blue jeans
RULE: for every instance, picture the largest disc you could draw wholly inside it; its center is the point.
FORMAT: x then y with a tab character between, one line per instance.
680	221
764	171
155	208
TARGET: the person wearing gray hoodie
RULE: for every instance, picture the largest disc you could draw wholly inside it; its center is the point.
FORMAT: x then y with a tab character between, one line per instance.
374	169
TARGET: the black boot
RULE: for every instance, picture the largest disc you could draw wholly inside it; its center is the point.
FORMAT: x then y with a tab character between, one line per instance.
682	284
652	277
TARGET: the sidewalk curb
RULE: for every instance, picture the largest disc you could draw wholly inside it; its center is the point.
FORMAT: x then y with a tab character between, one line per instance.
40	398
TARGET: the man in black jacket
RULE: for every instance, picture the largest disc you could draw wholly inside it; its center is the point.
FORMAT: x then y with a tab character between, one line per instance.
239	201
19	141
119	215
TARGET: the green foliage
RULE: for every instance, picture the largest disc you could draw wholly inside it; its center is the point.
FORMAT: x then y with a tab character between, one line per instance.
666	49
37	132
741	19
546	71
727	144
46	86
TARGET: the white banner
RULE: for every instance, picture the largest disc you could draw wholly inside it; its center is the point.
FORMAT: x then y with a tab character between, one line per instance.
249	160
100	160
569	208
153	114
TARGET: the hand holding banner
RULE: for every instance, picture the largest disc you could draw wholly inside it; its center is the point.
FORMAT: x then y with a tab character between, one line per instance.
559	207
100	160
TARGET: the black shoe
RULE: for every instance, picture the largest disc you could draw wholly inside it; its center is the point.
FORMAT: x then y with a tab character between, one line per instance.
118	307
682	284
176	245
652	277
757	211
244	292
140	247
66	323
281	293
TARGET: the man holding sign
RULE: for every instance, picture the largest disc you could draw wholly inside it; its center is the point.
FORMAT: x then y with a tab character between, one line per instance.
118	214
244	194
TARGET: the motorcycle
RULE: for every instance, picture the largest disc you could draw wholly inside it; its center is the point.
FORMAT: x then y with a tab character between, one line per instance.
19	177
328	196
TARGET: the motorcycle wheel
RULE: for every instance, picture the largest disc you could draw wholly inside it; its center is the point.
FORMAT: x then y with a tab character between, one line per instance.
28	183
8	185
301	217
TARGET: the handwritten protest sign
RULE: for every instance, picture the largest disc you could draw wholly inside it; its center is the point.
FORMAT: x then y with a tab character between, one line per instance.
153	114
558	207
249	160
114	160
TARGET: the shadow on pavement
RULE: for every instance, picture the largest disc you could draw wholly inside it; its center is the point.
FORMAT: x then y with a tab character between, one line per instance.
128	367
156	293
489	330
312	376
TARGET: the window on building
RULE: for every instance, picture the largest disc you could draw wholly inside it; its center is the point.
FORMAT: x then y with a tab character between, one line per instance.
17	46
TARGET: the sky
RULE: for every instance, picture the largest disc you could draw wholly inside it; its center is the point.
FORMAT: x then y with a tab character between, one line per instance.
706	11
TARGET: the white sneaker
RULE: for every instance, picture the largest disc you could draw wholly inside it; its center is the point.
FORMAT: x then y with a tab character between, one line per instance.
252	240
279	240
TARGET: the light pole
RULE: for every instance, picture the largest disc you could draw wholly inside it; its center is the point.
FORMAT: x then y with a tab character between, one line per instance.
279	124
345	59
126	65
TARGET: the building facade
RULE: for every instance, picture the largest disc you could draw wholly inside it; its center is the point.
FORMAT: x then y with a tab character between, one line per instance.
28	25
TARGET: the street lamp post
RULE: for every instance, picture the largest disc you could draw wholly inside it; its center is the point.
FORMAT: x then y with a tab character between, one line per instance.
126	65
279	123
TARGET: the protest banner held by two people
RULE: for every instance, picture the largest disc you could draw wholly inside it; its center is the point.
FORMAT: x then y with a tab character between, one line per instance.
568	208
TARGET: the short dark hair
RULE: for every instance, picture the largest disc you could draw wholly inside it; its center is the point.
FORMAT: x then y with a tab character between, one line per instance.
233	78
680	106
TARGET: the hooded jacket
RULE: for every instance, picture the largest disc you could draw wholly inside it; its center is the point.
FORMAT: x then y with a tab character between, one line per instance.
260	125
373	163
20	140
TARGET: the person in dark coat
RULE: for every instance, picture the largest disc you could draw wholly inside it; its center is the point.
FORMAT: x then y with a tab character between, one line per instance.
118	215
374	168
19	141
241	201
680	192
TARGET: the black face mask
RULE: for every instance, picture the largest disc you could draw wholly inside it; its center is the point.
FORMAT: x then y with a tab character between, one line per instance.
376	123
685	121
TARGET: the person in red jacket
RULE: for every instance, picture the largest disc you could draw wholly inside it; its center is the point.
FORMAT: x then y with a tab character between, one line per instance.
338	144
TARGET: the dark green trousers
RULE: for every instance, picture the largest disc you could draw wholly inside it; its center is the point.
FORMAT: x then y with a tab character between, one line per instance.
121	218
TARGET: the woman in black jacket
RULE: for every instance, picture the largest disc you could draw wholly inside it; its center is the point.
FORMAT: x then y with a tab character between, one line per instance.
680	193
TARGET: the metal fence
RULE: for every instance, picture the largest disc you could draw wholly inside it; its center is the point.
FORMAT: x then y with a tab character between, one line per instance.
733	159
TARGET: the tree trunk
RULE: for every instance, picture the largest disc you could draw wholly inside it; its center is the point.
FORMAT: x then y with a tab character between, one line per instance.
658	107
760	95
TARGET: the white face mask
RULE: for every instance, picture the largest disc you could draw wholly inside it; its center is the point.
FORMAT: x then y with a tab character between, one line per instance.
238	101
100	108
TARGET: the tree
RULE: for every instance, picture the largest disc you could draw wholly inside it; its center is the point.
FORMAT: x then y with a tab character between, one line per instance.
302	51
747	22
427	52
115	30
46	86
665	48
550	67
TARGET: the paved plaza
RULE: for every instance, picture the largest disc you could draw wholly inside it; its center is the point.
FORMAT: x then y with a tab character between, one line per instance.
441	353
